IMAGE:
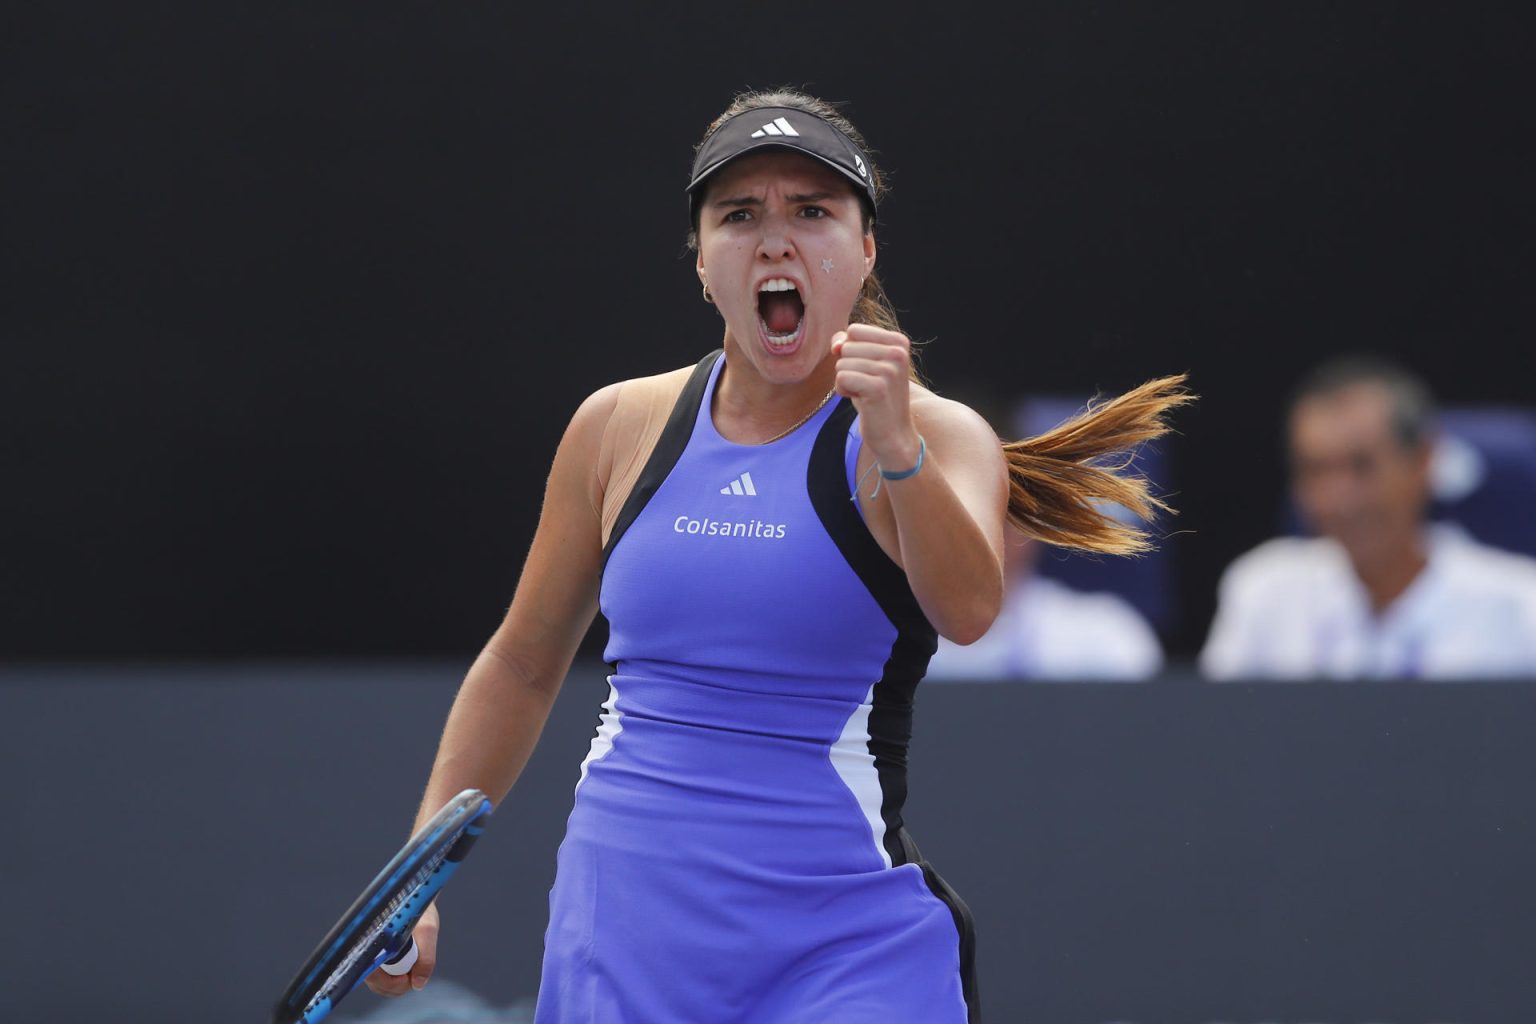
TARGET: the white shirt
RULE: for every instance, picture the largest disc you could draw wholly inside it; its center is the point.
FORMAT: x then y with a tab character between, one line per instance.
1293	607
1049	631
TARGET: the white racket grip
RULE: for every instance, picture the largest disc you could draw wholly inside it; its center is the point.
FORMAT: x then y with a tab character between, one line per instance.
403	963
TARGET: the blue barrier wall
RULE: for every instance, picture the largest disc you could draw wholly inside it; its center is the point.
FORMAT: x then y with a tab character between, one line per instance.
177	839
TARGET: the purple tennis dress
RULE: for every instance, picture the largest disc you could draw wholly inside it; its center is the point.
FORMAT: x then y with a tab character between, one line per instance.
736	852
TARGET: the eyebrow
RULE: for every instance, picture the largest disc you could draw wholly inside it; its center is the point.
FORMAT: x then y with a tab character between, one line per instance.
799	197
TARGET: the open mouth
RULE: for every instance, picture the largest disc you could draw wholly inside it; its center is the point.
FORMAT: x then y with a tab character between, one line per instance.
781	311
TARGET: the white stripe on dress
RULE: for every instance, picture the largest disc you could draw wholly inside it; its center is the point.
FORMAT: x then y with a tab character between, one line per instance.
609	724
855	765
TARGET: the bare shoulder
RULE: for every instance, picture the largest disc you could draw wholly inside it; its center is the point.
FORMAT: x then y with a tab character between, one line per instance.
641	401
944	421
597	409
611	409
667	379
639	410
659	387
601	434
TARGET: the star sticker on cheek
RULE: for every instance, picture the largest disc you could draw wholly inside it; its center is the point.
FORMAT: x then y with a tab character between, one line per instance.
826	266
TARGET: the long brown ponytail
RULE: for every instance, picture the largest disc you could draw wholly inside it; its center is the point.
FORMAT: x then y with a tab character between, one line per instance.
1060	482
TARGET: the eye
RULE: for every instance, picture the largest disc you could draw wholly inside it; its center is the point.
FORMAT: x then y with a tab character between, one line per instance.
813	212
738	216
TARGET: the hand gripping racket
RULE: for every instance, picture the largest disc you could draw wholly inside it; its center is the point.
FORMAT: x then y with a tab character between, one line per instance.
376	931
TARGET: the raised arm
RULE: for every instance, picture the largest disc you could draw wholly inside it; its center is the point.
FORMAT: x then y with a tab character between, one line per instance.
944	524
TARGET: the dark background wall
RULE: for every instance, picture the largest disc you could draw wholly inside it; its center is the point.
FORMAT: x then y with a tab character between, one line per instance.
1171	853
299	297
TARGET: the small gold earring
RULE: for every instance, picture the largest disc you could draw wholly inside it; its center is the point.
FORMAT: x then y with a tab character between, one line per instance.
708	297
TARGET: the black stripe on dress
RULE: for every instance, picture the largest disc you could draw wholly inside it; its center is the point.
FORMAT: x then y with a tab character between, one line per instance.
965	924
669	448
890	717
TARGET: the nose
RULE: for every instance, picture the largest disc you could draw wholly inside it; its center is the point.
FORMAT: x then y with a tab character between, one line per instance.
1333	494
774	243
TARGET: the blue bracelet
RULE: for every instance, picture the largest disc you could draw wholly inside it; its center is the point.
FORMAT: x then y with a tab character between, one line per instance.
922	449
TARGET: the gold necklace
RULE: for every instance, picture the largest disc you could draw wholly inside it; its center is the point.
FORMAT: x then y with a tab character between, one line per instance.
802	420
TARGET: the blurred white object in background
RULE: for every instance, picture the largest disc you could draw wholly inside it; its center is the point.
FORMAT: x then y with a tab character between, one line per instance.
1457	469
1049	631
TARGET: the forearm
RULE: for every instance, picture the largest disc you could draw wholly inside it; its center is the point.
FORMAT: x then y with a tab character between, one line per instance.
491	731
951	565
948	515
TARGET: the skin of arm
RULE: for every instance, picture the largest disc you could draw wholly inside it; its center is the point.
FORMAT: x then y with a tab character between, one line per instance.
944	525
506	695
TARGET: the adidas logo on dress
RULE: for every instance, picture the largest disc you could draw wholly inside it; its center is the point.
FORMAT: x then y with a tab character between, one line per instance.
778	126
741	485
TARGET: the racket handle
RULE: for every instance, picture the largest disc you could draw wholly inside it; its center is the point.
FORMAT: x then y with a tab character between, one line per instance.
403	961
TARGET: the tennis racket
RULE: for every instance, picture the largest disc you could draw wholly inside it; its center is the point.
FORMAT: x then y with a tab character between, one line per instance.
376	931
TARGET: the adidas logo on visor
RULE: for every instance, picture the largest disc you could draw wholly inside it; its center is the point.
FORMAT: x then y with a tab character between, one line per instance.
741	485
778	126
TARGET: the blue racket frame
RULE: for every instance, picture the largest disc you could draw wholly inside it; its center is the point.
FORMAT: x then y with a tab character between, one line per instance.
377	927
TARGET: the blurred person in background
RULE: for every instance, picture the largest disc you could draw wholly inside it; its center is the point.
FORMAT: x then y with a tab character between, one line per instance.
1048	630
1380	592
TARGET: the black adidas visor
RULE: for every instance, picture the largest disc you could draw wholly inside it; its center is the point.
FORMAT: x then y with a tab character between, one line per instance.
779	128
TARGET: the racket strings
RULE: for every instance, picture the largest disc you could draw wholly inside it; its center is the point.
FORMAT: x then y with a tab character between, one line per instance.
367	942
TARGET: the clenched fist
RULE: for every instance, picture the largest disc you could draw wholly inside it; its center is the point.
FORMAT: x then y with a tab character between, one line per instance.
874	370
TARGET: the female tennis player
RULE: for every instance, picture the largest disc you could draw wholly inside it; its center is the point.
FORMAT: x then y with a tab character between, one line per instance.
776	536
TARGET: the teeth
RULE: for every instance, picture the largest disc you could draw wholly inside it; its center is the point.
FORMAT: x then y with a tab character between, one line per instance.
782	340
780	284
